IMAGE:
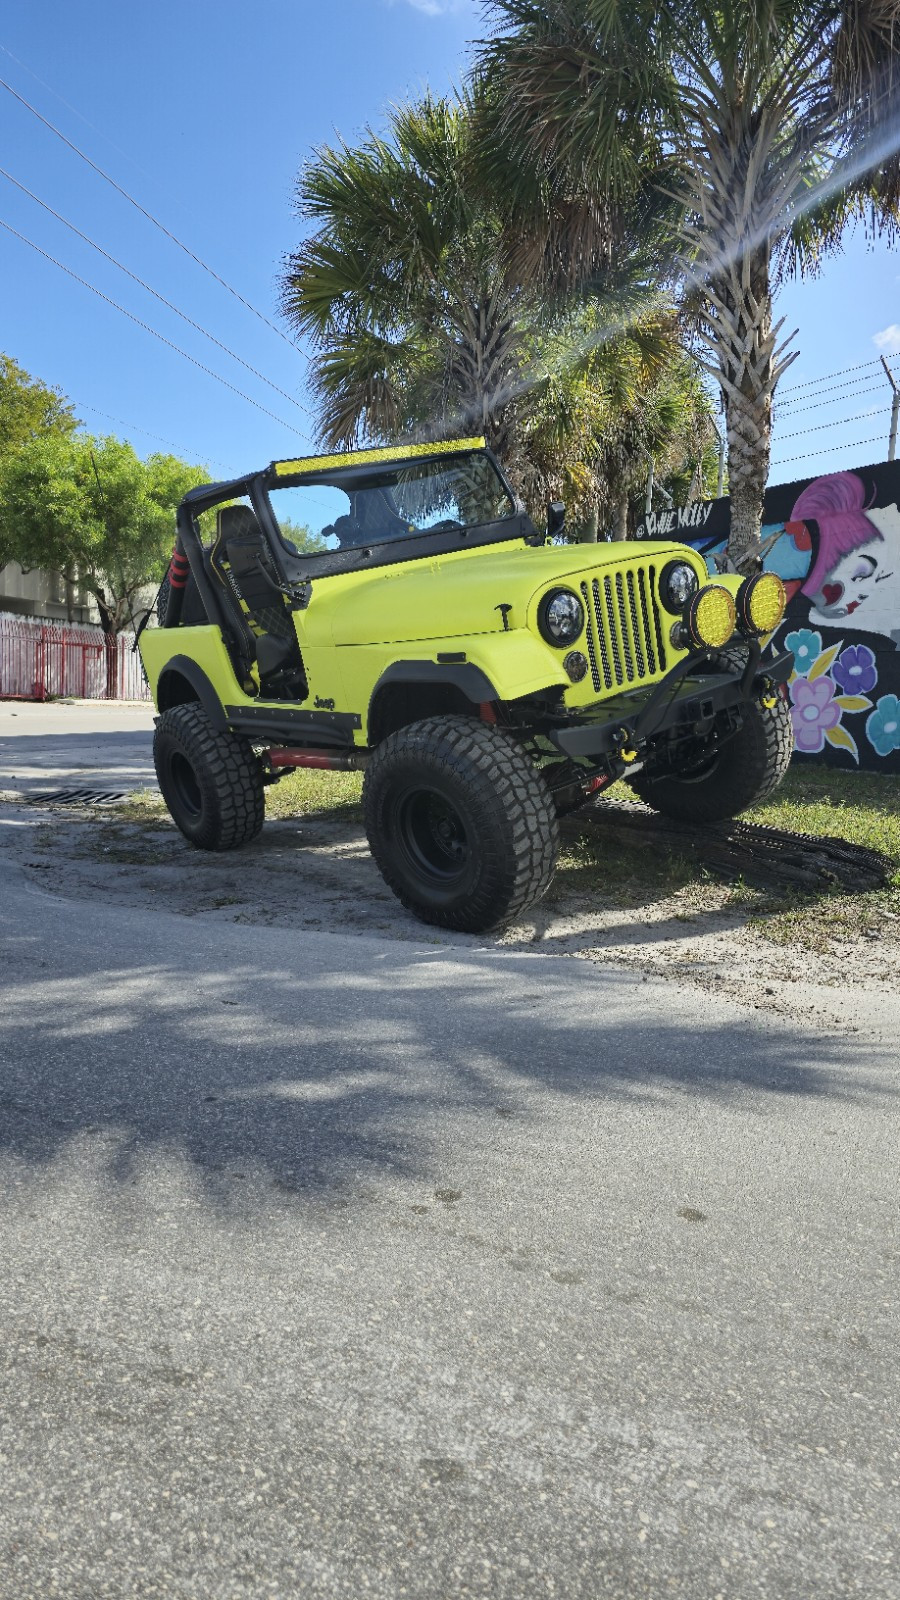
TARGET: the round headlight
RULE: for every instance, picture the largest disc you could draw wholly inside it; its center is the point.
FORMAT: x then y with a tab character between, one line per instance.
561	617
761	602
677	584
710	617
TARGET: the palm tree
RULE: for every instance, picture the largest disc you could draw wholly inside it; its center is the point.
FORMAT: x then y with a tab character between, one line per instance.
405	286
772	123
428	321
608	407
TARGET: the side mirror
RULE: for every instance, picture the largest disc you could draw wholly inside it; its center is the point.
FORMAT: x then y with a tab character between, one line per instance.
556	518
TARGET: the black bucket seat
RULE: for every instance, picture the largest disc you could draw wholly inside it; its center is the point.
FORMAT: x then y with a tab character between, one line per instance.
240	564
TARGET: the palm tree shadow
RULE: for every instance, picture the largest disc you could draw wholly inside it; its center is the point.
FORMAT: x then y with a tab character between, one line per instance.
316	1079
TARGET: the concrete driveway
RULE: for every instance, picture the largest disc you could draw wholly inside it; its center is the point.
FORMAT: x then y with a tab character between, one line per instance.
343	1265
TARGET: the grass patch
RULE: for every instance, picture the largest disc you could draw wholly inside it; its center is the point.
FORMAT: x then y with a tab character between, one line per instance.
304	793
145	806
624	875
311	792
862	807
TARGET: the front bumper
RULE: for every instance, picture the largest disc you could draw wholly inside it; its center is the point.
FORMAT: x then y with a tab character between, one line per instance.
686	703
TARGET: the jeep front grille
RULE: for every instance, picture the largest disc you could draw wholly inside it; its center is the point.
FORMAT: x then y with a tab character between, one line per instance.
624	636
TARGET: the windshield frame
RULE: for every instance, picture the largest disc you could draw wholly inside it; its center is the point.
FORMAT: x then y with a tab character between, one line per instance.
409	546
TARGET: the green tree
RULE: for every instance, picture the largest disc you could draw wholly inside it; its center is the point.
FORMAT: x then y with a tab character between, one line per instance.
28	408
772	124
92	511
301	537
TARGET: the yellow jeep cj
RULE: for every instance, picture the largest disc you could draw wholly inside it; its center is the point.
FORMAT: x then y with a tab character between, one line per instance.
485	675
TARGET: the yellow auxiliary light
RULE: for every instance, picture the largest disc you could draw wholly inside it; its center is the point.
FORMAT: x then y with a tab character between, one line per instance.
760	603
709	618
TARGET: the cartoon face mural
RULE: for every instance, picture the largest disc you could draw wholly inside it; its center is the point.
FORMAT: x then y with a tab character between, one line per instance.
856	570
835	540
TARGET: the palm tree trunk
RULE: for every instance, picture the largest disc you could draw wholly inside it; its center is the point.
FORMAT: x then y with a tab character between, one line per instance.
742	339
620	516
590	527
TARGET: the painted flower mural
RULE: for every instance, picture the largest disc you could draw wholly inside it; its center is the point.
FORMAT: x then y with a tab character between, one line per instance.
806	647
834	541
817	706
883	726
814	713
855	669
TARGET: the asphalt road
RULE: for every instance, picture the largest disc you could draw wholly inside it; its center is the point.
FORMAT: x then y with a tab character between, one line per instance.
104	744
339	1266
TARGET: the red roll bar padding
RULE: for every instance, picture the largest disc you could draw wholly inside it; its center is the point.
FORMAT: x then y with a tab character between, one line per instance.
179	569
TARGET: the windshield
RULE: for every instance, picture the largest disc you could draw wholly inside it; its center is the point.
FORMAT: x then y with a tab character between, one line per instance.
374	506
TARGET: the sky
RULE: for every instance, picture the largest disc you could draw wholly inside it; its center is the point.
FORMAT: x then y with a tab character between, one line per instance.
204	112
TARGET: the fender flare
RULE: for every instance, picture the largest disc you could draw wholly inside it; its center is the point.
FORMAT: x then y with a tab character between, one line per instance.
184	667
462	675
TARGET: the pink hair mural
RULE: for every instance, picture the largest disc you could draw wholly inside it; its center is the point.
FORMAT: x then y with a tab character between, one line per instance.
837	505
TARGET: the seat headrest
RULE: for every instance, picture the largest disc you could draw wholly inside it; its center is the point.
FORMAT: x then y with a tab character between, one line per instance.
235	522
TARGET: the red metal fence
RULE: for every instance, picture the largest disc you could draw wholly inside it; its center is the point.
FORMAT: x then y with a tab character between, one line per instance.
41	659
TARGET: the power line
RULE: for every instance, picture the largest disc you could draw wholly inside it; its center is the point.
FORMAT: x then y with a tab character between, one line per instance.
828	449
79	114
149	215
814	406
795	388
132	427
157	296
837	422
147	329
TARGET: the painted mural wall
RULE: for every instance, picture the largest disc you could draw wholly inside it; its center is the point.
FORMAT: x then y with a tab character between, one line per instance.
835	540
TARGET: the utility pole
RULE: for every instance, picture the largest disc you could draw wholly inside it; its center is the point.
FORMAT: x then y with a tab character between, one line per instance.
895	411
720	435
648	502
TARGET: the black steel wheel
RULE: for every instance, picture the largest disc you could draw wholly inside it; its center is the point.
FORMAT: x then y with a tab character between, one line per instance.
460	824
210	779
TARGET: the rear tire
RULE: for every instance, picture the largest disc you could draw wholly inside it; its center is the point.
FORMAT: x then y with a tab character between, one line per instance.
210	779
460	824
744	771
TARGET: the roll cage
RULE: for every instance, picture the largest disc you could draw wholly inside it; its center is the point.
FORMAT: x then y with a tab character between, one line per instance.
349	471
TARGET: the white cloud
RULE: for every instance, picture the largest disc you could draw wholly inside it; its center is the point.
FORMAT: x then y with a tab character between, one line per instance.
888	340
438	8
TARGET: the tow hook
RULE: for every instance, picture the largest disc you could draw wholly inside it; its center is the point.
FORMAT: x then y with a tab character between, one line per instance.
624	748
768	697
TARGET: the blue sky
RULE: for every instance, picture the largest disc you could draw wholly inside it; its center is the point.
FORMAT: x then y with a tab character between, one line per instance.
204	112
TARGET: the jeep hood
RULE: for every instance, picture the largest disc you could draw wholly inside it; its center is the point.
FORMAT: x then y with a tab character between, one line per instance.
461	593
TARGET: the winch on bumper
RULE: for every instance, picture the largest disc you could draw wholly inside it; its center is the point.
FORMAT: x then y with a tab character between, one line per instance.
691	702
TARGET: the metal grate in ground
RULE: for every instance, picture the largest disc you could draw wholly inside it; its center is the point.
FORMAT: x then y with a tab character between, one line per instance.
77	797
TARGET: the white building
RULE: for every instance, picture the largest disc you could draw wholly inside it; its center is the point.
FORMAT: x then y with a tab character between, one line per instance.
44	594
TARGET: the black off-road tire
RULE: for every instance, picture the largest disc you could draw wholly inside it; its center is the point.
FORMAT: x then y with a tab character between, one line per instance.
743	772
210	779
460	824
